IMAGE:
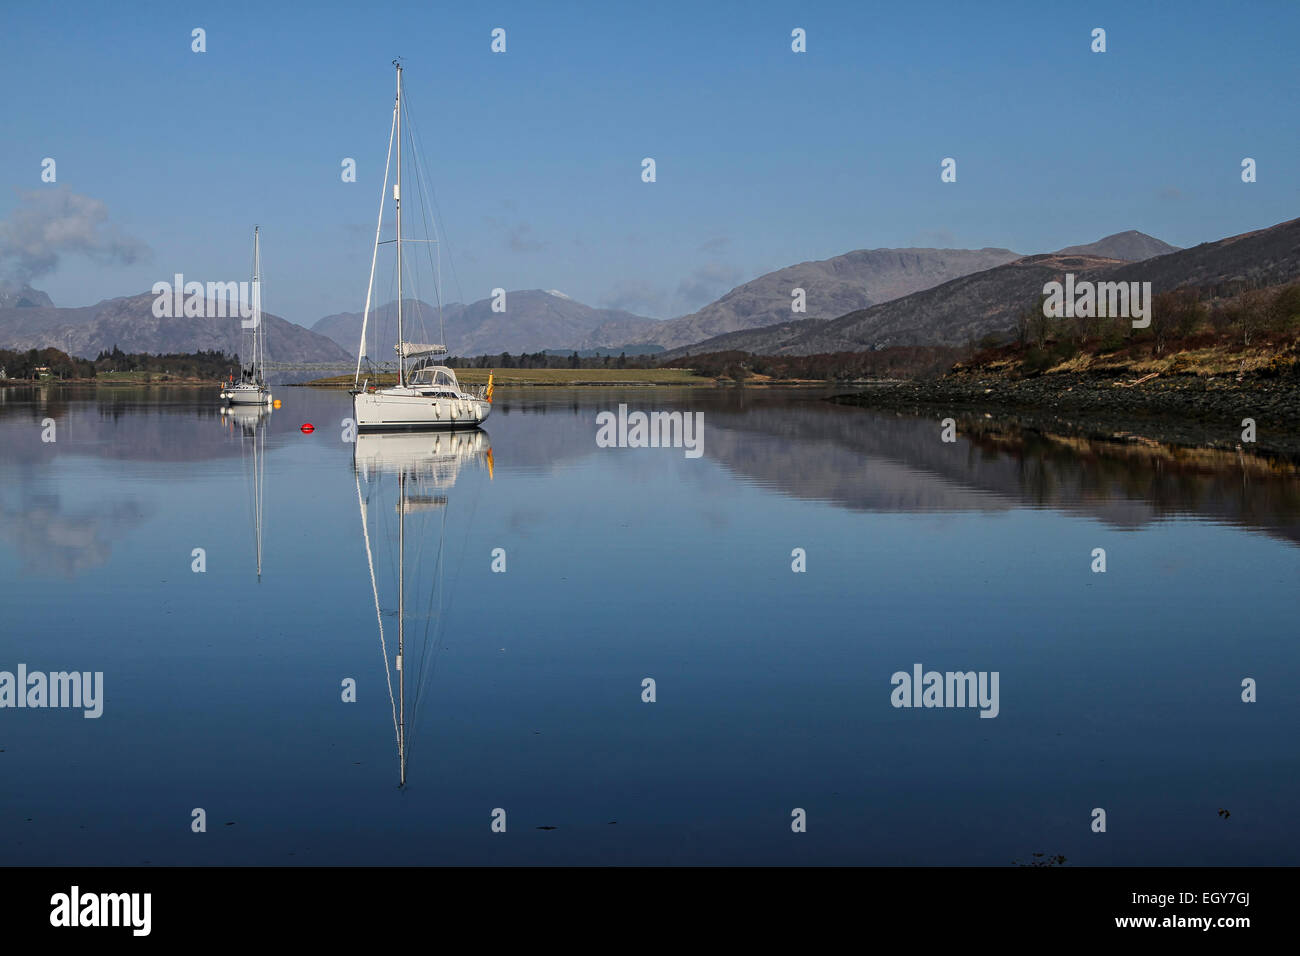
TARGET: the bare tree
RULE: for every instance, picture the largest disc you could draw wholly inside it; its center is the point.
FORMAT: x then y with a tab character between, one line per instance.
1252	314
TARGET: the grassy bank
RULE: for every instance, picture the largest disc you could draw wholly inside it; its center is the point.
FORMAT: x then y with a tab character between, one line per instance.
151	378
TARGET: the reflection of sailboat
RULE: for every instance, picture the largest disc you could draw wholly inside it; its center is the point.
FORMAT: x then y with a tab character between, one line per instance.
251	388
423	467
251	424
429	397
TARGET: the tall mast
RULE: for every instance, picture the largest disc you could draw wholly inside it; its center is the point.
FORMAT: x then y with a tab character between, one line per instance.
401	625
257	305
397	198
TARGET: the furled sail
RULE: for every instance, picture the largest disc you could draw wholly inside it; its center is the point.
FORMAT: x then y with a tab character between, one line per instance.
415	350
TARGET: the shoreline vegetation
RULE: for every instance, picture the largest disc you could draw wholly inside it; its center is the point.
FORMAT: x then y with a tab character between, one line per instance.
54	366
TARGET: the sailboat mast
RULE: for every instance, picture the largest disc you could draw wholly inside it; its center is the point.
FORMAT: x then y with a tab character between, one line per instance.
401	626
257	305
397	197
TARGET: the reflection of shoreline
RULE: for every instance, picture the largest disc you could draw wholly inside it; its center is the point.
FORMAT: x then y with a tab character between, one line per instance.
1202	459
1276	450
1199	413
867	460
99	383
155	424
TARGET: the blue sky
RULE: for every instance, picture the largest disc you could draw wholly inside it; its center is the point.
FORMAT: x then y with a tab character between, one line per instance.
764	157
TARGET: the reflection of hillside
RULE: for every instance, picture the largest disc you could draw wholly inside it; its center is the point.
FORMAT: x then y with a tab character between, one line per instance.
807	453
790	442
124	424
868	460
160	424
797	445
540	429
52	540
1130	483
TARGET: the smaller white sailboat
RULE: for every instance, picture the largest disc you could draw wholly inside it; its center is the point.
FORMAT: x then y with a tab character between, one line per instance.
429	396
251	388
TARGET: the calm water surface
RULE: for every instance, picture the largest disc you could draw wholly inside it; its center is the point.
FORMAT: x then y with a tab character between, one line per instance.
523	689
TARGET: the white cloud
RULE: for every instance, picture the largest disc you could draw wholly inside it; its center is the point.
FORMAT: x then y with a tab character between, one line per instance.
49	224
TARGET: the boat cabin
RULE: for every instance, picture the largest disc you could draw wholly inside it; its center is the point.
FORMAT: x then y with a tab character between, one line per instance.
437	380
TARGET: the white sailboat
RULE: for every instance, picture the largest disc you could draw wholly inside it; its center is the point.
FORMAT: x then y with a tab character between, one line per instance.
425	467
429	396
251	388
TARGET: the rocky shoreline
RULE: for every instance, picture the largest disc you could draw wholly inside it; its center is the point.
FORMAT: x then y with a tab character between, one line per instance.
1179	409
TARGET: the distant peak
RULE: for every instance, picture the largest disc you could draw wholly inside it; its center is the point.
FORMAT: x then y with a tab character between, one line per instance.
558	294
1130	246
20	295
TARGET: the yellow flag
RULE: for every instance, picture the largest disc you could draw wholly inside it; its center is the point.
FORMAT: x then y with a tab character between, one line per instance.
488	393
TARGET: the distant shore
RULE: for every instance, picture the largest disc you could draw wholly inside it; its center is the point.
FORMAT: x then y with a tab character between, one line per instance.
567	377
505	378
110	383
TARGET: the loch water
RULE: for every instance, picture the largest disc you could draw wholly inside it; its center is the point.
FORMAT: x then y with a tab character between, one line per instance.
547	578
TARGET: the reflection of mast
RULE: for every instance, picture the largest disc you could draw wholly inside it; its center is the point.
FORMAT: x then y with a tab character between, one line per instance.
401	625
379	619
251	420
416	459
259	466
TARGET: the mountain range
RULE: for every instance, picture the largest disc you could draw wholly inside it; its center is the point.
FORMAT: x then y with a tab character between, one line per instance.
950	314
832	287
862	299
988	302
129	324
533	320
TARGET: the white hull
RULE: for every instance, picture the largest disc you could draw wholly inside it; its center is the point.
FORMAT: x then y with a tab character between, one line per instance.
245	395
408	408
